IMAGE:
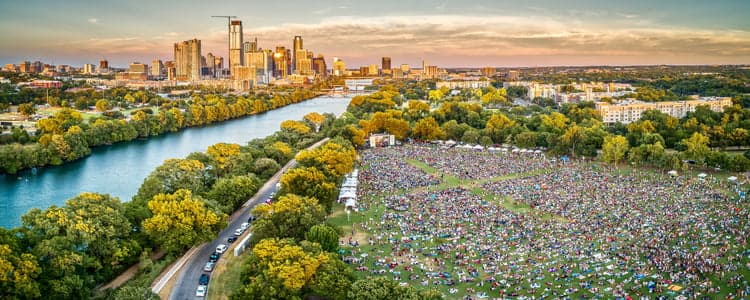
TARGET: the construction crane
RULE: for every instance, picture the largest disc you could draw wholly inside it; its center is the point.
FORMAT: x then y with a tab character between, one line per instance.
229	32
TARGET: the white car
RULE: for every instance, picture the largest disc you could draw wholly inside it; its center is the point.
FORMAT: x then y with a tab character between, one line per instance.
209	266
239	231
201	291
221	248
244	225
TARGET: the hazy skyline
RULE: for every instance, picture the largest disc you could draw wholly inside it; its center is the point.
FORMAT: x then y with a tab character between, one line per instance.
445	33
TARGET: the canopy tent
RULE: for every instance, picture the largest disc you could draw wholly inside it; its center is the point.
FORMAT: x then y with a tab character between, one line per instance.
702	175
450	142
732	178
350	204
478	147
672	173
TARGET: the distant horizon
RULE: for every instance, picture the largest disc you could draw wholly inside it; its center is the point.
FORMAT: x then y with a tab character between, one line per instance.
445	33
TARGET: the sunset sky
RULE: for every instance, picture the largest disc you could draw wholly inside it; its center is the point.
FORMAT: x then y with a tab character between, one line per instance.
444	33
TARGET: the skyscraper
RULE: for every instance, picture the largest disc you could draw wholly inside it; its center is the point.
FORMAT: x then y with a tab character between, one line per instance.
386	63
339	67
235	44
280	62
297	47
157	68
304	64
187	60
319	66
103	64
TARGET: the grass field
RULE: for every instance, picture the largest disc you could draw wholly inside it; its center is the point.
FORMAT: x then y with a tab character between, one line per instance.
373	207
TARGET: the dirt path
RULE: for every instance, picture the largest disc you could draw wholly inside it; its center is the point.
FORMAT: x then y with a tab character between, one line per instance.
129	273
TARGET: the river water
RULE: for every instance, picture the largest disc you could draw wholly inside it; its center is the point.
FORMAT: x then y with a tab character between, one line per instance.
119	169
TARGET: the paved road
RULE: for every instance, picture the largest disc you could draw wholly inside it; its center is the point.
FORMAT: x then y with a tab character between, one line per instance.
187	279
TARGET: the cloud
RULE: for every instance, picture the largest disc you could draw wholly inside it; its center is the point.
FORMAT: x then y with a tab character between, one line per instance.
92	20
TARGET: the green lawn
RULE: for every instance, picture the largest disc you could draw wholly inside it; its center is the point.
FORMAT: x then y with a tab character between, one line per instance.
225	279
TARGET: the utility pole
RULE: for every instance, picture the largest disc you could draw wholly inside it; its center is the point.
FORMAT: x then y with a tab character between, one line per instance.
229	33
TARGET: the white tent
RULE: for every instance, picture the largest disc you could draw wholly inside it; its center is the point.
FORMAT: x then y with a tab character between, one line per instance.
702	175
350	203
479	147
505	149
450	142
672	173
732	178
538	151
515	151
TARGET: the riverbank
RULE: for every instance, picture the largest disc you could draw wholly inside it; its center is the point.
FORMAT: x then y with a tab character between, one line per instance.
127	164
68	136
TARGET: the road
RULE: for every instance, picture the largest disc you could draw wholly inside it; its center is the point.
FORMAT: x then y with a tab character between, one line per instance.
187	278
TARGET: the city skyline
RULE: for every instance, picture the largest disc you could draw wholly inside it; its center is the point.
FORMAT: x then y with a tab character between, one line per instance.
445	33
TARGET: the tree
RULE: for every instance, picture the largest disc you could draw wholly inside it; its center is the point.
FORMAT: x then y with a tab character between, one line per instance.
427	129
82	243
232	192
333	158
222	152
266	167
332	280
102	105
295	126
181	220
310	182
316	119
131	292
172	175
381	288
696	147
18	273
614	148
499	127
27	109
526	139
572	137
289	217
324	235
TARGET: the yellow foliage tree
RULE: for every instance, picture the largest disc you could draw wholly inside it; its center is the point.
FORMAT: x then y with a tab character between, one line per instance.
295	126
221	153
288	262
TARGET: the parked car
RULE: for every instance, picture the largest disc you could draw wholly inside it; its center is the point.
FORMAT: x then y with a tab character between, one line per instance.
250	219
244	226
204	279
231	239
209	266
239	231
221	248
201	291
214	257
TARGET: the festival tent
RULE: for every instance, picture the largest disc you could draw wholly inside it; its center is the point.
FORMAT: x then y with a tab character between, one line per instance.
702	175
478	147
672	173
450	142
732	178
351	204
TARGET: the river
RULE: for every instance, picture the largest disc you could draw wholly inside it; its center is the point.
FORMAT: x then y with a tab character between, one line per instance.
119	169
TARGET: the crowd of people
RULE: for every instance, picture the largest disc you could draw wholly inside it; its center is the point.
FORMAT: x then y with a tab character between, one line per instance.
591	231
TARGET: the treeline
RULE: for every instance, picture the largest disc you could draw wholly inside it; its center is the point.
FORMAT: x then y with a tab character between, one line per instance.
574	129
65	252
66	136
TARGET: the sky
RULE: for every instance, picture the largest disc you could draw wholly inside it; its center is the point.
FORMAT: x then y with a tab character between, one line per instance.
443	33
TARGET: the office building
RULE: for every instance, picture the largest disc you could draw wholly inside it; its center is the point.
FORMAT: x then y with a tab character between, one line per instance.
157	68
261	61
89	69
24	67
297	46
339	67
10	68
187	60
405	69
319	66
430	72
385	64
103	64
512	75
235	44
303	63
372	70
628	111
488	71
36	67
463	84
280	62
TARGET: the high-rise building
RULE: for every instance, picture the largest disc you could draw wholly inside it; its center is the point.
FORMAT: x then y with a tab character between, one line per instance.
36	67
261	62
385	63
254	45
10	68
24	67
211	64
138	71
89	69
303	63
488	71
235	44
319	66
103	64
170	70
339	67
297	46
405	68
187	60
373	70
364	71
157	68
512	75
430	72
280	62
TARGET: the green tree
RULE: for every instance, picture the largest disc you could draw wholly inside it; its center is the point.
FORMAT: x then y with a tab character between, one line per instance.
27	109
132	292
324	235
696	147
614	148
381	288
233	192
289	217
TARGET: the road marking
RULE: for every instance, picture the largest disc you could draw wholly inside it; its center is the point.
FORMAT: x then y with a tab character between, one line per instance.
156	288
